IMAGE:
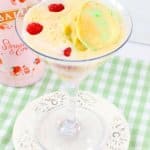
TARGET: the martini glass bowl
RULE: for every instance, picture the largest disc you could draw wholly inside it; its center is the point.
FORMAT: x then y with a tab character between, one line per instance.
74	127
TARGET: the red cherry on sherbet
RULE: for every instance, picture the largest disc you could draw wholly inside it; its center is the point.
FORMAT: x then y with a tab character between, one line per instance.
56	7
34	28
67	52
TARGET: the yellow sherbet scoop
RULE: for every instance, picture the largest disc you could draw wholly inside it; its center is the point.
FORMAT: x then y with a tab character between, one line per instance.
97	26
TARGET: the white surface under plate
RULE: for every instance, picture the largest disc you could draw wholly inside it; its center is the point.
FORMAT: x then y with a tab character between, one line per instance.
135	51
140	14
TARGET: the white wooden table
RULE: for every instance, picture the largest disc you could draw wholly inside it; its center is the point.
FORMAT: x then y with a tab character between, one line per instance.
138	46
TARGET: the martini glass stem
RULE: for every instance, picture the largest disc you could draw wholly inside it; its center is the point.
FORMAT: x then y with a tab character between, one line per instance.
71	89
70	126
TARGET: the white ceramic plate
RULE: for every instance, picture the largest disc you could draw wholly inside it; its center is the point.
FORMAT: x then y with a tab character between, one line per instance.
23	134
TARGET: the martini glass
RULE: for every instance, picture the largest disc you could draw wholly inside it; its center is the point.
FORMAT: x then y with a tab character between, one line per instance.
73	127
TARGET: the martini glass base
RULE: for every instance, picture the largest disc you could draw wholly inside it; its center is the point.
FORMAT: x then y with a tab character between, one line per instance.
69	128
88	130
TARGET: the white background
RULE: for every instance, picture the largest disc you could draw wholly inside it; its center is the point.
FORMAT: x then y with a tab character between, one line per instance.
139	45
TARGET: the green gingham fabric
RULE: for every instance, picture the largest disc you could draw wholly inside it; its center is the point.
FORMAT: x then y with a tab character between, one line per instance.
124	82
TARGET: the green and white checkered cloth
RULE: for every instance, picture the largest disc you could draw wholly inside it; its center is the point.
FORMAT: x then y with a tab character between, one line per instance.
124	82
